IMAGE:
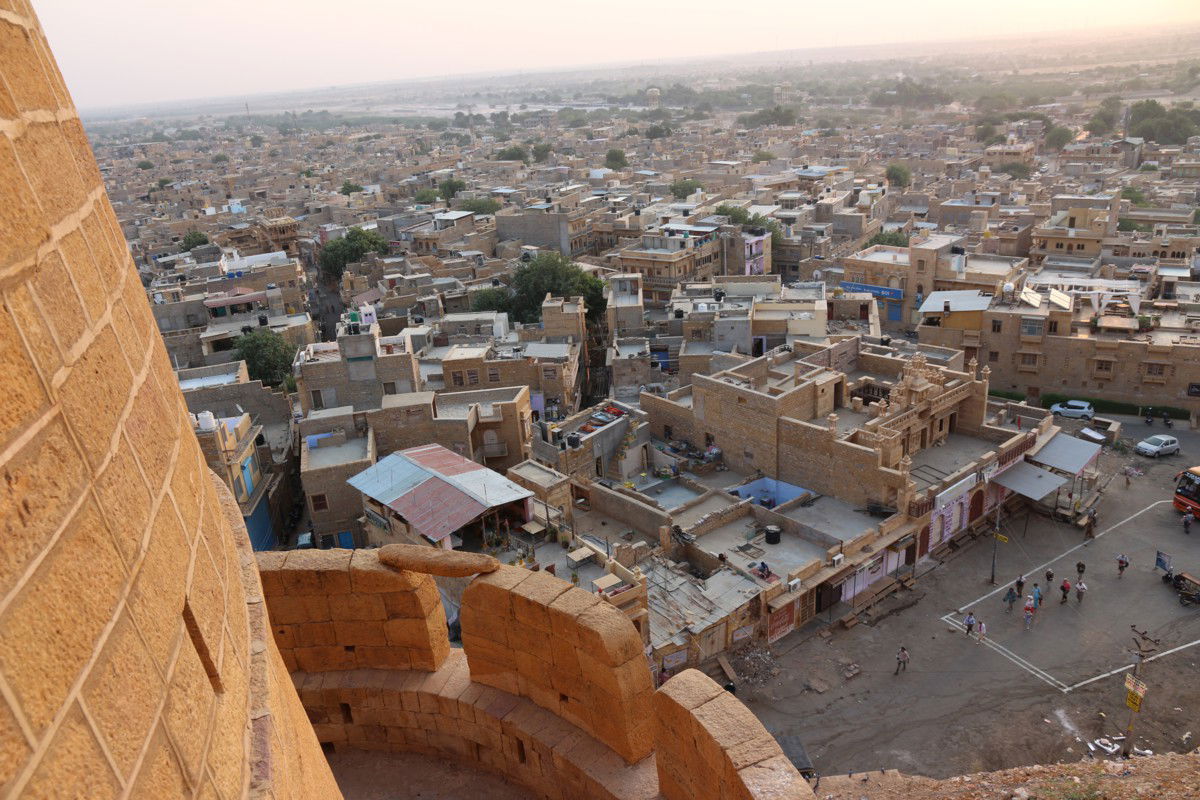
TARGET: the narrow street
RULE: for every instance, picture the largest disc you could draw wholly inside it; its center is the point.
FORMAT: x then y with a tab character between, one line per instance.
1022	697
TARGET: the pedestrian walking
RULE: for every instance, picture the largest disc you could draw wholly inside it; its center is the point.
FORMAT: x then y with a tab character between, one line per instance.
1089	527
1079	568
901	661
982	632
1011	599
1037	597
1065	588
1080	588
969	623
1122	563
1030	609
1188	519
1049	578
1020	584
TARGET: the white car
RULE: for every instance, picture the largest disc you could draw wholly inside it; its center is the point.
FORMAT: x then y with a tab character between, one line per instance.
1155	446
1079	409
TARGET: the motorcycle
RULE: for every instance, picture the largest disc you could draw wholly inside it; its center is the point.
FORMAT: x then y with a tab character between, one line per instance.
1167	421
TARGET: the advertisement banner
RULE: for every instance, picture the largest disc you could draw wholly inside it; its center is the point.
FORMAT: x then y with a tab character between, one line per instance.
781	622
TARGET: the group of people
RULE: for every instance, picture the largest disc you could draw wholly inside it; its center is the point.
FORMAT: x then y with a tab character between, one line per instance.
1034	600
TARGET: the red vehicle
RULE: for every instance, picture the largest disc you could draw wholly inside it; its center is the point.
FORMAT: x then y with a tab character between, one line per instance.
1187	491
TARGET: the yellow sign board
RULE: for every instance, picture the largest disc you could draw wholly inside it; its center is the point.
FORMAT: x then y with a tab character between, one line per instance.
1002	538
1134	685
1133	700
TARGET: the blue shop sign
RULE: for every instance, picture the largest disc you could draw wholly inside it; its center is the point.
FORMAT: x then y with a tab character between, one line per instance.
879	291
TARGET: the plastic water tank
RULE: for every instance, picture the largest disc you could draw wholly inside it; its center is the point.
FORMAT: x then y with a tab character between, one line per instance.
772	532
206	421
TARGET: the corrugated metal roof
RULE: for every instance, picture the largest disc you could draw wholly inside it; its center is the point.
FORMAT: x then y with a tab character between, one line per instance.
1030	481
1066	453
435	489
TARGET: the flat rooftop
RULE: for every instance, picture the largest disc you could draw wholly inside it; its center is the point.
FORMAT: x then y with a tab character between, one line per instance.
681	605
536	473
744	547
332	455
833	517
934	464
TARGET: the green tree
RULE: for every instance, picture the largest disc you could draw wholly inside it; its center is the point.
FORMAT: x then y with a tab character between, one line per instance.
350	248
450	187
349	188
736	214
513	153
256	141
220	158
984	132
684	187
615	159
191	134
143	164
268	355
1130	225
1135	196
480	205
192	238
554	273
162	182
1059	137
1016	169
426	196
763	155
541	151
491	300
658	131
890	238
898	175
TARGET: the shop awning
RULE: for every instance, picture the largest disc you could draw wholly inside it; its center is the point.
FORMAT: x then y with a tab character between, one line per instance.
1029	481
1066	453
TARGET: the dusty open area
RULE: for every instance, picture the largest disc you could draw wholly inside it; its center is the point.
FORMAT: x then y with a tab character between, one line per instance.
1022	697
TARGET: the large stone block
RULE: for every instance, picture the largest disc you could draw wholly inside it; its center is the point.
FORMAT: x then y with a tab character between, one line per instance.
21	216
74	765
48	631
49	165
38	486
123	717
435	561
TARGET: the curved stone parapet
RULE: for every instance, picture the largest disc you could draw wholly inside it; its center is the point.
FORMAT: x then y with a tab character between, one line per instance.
534	635
709	745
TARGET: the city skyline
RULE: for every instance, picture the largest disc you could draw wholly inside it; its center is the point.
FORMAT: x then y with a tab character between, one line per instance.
216	59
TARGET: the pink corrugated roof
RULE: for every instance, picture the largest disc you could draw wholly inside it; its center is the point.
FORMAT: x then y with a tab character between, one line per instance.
436	508
439	459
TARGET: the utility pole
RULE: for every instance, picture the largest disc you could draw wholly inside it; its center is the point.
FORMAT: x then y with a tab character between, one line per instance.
1144	646
995	541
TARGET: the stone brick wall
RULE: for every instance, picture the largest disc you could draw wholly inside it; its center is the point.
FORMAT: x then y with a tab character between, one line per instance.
536	636
341	609
707	739
131	651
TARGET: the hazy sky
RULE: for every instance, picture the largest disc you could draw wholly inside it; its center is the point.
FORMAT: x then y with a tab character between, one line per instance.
129	51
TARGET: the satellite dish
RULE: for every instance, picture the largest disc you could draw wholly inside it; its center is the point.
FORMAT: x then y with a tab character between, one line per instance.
1009	287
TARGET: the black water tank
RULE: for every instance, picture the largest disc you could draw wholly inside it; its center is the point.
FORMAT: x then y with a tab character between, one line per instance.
262	320
772	534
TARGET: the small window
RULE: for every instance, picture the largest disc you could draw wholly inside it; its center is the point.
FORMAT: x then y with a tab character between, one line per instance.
1104	366
319	502
549	373
920	265
1058	245
493	375
318	402
997	326
1156	369
1052	326
1032	326
741	401
389	387
456	378
668	433
993	356
1029	359
472	377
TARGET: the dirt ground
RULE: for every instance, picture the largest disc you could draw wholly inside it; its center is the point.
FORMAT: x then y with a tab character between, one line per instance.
1023	698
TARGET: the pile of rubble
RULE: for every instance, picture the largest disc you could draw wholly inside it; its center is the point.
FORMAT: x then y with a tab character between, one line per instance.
754	664
1163	777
